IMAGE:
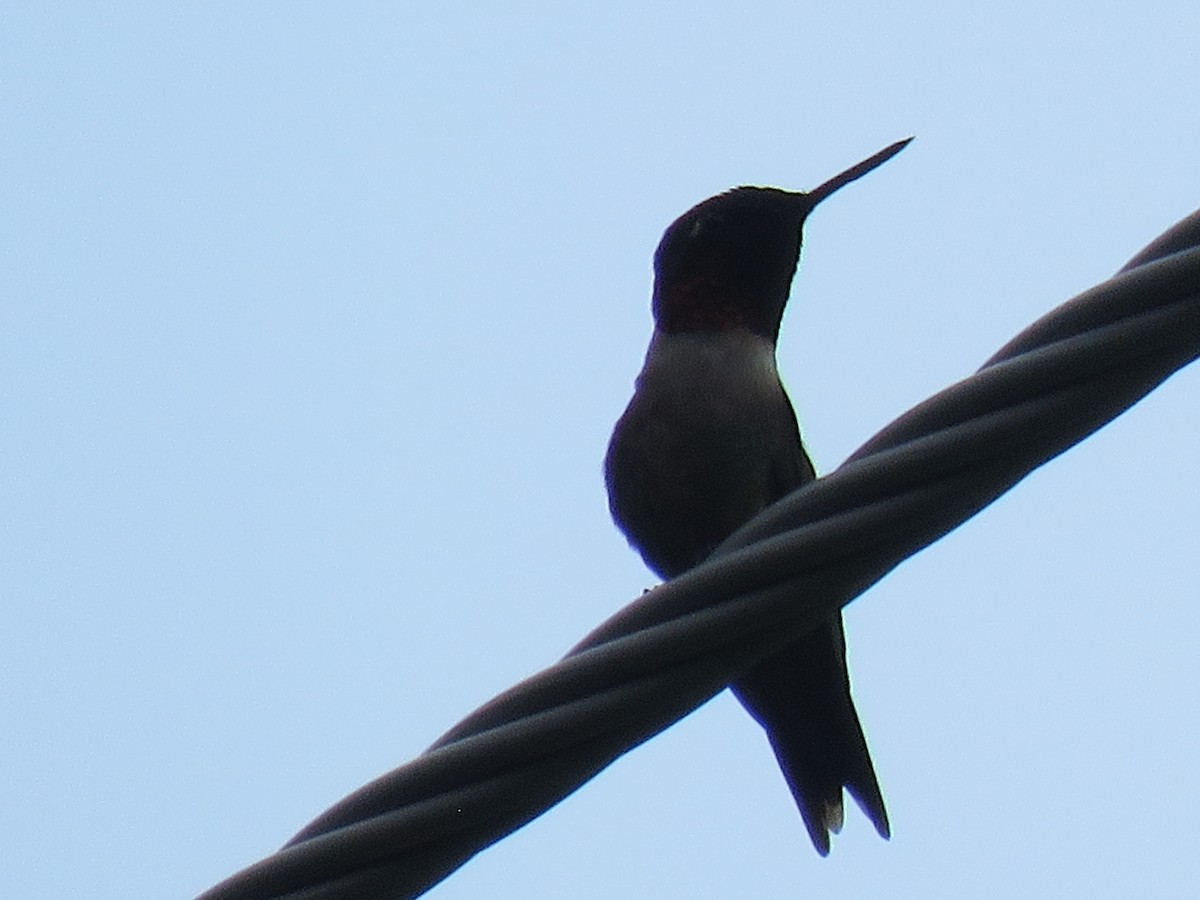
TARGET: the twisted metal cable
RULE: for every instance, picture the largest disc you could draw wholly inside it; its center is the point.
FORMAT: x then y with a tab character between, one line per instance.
787	569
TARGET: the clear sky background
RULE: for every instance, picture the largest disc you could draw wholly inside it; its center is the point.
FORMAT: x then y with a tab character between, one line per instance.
315	318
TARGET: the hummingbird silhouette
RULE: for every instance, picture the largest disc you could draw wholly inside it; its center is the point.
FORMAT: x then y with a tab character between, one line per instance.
710	438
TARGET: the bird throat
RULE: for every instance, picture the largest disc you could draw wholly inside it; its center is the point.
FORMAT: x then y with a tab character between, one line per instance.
702	303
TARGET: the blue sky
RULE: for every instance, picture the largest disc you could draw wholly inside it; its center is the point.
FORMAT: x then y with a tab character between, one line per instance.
316	319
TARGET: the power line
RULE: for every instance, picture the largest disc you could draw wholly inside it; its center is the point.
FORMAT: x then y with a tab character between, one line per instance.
668	652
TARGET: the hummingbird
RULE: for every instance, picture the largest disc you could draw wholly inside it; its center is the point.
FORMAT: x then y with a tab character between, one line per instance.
710	439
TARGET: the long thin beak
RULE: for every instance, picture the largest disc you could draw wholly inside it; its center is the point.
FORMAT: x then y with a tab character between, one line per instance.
817	194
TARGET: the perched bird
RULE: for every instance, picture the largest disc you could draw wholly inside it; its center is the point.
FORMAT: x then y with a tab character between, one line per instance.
710	439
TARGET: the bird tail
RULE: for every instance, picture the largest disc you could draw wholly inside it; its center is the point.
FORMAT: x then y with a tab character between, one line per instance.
801	697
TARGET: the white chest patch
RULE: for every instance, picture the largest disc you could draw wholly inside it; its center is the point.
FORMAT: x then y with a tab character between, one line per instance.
707	370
